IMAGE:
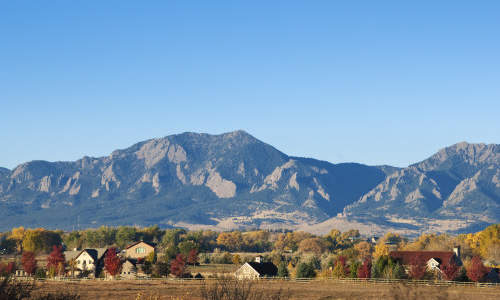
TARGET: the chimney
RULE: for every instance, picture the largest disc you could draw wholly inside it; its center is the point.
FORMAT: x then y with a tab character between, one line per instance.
258	259
456	250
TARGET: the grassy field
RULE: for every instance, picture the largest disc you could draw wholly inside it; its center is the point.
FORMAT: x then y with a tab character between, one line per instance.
153	290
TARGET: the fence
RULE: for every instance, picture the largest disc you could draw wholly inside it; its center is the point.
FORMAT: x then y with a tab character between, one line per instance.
351	281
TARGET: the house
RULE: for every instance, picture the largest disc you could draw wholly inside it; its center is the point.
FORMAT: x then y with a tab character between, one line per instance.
139	250
256	269
433	259
86	262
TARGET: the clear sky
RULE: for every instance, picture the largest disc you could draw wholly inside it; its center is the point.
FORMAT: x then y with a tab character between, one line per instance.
376	82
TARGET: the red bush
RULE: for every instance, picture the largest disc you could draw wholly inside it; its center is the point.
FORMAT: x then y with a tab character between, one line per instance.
193	257
476	270
6	269
112	262
29	262
56	260
449	270
365	271
178	266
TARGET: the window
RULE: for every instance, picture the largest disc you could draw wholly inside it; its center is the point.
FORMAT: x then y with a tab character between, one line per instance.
140	250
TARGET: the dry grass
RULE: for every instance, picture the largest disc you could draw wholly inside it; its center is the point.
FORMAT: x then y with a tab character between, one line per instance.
316	290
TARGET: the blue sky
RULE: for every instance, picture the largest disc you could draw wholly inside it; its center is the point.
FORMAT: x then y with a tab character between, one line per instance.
376	82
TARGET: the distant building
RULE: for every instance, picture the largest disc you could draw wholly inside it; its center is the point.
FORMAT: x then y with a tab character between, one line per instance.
256	269
139	250
87	261
433	259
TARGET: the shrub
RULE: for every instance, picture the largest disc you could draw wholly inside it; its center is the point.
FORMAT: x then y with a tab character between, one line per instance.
476	271
228	289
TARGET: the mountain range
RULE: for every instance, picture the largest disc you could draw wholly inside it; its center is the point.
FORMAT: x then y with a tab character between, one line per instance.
233	180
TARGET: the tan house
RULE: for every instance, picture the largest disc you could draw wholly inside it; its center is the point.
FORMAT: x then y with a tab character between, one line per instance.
139	250
256	269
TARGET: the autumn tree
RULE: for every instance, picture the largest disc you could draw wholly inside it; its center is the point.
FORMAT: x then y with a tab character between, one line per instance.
28	262
7	268
431	242
449	270
112	262
340	270
487	238
236	259
192	257
231	241
56	261
290	240
17	234
40	240
364	249
365	271
417	267
381	249
312	245
178	266
476	270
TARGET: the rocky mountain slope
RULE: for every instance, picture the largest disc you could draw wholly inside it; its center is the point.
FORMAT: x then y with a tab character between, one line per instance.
225	181
233	180
458	188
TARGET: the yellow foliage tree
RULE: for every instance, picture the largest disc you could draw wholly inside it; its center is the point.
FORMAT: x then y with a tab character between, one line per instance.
17	234
230	240
236	259
312	245
381	249
364	249
487	238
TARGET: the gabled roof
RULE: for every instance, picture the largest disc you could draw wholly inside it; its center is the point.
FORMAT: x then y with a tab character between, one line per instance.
69	255
133	244
406	257
95	253
264	269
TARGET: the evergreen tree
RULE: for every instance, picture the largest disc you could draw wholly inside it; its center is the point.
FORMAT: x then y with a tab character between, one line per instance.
305	270
283	270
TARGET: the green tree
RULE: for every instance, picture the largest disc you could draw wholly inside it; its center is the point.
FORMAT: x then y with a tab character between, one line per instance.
125	235
186	246
283	270
354	269
305	270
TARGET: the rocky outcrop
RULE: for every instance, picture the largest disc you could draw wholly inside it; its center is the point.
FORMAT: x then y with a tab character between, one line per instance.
459	183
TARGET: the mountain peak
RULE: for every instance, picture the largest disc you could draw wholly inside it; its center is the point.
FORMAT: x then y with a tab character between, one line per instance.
460	154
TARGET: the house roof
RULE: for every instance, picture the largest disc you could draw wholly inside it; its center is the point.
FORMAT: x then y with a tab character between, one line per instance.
133	244
406	257
69	255
95	253
265	268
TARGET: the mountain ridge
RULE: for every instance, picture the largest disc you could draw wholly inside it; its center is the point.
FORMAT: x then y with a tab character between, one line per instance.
233	180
